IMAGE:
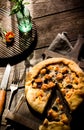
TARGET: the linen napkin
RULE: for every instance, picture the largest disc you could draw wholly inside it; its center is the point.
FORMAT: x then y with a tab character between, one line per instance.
61	44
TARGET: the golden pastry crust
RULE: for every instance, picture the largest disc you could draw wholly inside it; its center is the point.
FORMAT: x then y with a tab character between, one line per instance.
72	65
54	126
70	75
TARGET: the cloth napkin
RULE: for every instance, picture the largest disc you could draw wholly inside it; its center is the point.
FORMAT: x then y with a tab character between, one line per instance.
61	44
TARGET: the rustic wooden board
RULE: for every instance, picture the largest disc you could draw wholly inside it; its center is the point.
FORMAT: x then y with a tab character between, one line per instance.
51	17
24	118
31	120
41	8
61	16
48	27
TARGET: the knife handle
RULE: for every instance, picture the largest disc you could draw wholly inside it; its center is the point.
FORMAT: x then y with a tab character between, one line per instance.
2	100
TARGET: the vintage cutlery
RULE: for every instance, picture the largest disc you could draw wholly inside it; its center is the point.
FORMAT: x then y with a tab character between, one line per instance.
18	118
13	86
3	87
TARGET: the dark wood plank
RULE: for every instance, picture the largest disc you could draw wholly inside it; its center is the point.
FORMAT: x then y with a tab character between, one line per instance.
39	8
48	27
51	17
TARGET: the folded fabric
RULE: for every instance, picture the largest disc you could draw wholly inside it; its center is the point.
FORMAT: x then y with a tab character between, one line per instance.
61	44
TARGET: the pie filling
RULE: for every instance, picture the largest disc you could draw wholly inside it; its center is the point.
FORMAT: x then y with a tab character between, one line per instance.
57	73
65	86
51	77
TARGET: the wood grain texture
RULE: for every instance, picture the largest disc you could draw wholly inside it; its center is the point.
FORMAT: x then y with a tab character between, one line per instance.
54	16
48	27
41	8
51	17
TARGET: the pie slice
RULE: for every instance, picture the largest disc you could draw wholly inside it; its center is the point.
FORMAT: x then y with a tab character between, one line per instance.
58	117
37	98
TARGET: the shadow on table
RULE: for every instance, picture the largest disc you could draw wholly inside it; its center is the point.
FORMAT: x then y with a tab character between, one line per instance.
24	46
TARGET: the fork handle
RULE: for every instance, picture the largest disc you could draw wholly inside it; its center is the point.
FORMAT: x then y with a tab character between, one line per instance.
2	100
10	99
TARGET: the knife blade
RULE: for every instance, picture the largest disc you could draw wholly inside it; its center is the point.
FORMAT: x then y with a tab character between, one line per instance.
3	87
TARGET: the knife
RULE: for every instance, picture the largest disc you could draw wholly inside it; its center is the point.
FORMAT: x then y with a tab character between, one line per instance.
3	87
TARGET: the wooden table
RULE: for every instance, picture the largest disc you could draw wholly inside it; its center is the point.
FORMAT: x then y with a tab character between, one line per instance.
51	17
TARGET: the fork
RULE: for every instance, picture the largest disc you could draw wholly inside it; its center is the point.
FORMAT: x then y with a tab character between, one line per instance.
13	87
